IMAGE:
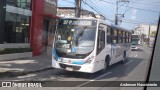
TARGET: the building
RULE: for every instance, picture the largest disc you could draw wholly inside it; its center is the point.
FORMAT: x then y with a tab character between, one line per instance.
152	35
69	12
147	33
14	20
28	23
43	25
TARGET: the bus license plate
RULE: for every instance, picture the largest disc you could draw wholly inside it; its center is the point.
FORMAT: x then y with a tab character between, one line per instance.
69	69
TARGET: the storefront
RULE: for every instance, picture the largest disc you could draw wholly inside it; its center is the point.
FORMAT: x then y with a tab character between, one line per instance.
2	19
43	25
28	22
15	21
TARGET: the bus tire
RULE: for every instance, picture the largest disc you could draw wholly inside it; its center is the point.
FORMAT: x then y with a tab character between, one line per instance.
106	64
124	57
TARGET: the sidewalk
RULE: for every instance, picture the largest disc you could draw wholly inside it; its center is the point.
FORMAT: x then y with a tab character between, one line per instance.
11	68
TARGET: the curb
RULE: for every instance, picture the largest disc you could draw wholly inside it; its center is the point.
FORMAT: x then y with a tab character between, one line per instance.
14	74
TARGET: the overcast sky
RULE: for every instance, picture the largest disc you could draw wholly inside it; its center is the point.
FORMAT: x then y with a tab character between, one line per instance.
135	12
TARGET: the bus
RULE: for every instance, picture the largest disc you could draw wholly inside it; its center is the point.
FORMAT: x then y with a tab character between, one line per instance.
134	40
89	45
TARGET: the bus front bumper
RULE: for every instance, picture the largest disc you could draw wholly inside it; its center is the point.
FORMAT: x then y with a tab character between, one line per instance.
134	48
87	68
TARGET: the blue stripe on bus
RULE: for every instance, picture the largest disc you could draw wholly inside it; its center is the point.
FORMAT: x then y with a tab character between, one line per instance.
78	62
55	54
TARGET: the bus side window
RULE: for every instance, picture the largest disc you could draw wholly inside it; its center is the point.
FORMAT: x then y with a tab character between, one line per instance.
126	37
109	37
129	37
119	36
101	41
114	37
123	37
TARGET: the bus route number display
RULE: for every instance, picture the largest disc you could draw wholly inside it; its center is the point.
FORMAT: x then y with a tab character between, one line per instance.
77	22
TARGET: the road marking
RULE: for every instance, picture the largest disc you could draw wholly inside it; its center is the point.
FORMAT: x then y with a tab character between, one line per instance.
135	55
94	79
128	62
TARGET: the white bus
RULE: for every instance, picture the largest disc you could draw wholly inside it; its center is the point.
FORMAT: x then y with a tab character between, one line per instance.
134	40
89	45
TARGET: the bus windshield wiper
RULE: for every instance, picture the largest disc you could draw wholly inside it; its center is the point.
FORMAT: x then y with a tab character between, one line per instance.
80	35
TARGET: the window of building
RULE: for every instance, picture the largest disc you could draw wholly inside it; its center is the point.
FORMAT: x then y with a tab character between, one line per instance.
16	28
25	4
11	2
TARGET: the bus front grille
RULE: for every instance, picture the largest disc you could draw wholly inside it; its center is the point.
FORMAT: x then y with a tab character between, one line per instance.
74	67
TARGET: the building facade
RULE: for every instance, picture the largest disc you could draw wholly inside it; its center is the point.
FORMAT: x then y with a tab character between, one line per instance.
15	17
147	34
69	12
28	22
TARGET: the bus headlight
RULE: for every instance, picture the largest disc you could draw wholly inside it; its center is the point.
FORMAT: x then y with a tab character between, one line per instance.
89	60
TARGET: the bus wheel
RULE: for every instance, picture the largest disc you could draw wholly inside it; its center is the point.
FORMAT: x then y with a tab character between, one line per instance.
106	65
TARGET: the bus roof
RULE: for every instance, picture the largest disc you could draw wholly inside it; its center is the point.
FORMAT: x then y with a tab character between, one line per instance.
113	25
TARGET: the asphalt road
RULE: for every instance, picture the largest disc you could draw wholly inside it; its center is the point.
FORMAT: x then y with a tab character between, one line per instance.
134	69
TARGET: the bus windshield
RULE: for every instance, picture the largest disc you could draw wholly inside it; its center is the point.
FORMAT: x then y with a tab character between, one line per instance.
135	42
75	38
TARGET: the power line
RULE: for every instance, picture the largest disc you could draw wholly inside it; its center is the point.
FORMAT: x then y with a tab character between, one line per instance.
117	10
111	12
132	7
137	21
124	20
130	22
133	22
102	9
96	10
126	9
122	4
147	1
144	3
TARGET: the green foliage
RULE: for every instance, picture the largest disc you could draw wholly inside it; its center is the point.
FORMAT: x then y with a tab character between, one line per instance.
14	50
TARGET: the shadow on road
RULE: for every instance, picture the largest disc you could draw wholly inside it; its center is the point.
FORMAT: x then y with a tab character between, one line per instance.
139	50
118	70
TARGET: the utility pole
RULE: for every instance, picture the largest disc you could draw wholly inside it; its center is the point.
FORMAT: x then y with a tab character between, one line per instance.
78	8
117	7
116	16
